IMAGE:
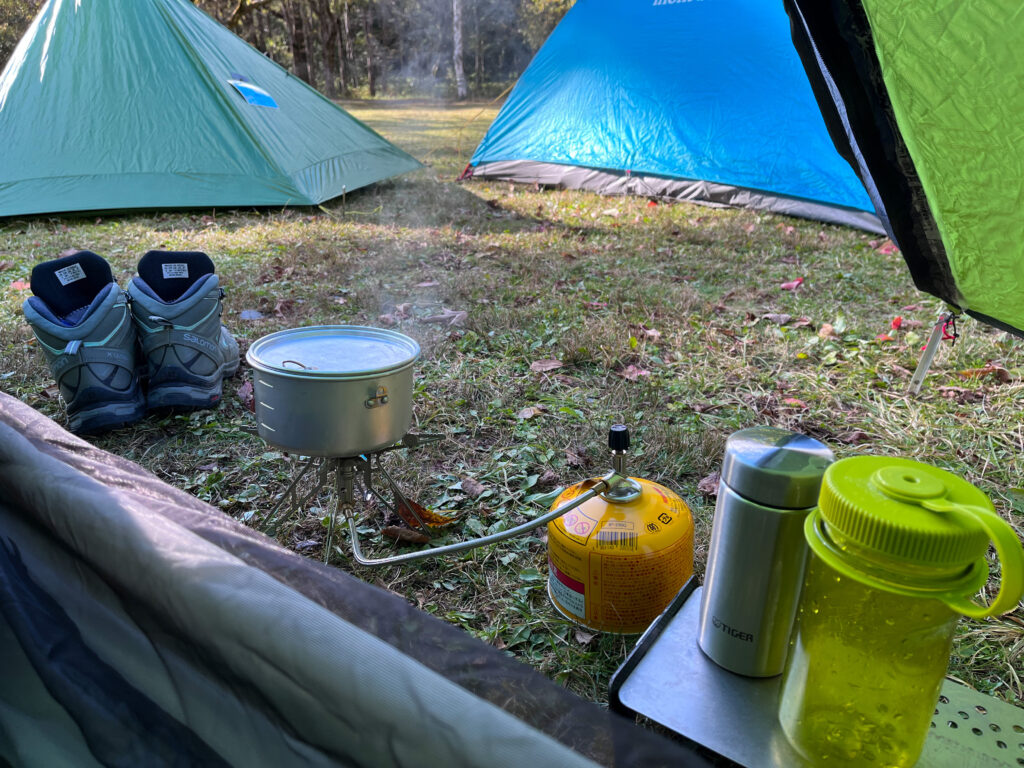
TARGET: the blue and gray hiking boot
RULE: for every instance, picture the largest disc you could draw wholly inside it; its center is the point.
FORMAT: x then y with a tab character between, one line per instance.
81	320
176	303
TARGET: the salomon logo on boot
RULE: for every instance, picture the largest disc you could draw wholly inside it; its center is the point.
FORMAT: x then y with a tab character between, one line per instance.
81	320
176	305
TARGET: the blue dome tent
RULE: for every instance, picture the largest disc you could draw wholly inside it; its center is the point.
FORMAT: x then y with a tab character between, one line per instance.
701	101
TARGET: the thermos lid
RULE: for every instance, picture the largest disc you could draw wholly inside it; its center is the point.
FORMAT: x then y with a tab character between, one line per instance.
881	504
775	467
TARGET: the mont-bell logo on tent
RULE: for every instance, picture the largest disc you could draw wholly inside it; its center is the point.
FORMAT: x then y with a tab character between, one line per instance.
674	2
251	92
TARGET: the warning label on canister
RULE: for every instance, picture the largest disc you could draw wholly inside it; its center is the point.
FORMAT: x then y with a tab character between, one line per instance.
615	566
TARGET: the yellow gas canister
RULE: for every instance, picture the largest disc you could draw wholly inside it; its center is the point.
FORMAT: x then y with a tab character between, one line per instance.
617	560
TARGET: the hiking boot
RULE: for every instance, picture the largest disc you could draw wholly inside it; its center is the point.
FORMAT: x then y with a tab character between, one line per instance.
80	318
176	303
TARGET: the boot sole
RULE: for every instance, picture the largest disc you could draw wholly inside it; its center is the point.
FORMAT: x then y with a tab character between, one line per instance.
189	396
102	418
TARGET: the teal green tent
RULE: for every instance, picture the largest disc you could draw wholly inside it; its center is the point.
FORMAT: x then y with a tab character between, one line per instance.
924	101
152	104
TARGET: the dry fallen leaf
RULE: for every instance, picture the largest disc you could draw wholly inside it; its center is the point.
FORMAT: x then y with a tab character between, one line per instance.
997	372
547	479
387	319
548	364
472	487
611	212
52	392
651	333
632	372
283	307
5	265
584	637
406	535
427	284
530	411
852	438
709	485
430	517
794	402
448	317
246	395
826	331
777	319
575	458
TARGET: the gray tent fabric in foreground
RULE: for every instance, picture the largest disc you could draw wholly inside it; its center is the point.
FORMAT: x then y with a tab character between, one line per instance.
151	104
142	627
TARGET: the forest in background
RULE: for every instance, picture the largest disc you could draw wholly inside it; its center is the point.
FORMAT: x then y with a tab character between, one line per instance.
373	48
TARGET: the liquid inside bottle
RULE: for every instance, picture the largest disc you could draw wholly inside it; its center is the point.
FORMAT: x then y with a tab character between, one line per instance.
863	673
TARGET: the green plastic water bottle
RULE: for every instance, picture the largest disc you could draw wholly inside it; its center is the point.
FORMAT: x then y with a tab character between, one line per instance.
897	551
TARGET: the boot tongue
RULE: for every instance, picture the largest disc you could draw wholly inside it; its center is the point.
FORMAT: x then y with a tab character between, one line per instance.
170	274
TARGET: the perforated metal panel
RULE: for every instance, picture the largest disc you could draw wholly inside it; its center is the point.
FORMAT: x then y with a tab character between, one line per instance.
668	680
985	725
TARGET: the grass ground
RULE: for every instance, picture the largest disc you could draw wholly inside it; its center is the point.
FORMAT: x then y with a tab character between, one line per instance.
670	318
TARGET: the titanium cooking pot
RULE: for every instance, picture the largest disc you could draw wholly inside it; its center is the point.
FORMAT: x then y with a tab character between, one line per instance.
333	390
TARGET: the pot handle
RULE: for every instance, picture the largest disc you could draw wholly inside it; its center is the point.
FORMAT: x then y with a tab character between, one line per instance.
1008	549
296	362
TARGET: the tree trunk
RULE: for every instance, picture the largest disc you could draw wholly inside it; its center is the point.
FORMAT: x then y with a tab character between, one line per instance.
478	60
371	77
297	39
328	49
344	50
460	74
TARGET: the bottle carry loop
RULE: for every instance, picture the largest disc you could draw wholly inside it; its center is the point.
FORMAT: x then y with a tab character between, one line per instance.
1008	549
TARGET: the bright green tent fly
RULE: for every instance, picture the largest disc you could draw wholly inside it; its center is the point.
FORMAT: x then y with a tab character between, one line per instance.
923	98
151	104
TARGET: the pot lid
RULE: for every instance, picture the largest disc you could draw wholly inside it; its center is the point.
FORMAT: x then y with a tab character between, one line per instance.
332	351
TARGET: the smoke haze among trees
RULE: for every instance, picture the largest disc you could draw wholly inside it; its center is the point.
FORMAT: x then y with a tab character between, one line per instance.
367	48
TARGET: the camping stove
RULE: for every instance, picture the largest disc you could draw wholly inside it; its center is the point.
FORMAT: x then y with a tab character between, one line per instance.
358	473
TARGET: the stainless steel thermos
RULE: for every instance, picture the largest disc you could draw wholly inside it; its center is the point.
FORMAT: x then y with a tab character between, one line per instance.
770	481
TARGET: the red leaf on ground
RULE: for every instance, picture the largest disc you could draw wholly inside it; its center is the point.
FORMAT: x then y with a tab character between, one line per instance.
792	285
897	322
794	402
884	337
887	247
595	304
652	203
20	285
246	395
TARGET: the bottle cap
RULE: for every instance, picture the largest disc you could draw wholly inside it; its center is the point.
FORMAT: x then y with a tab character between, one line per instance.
880	504
775	467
